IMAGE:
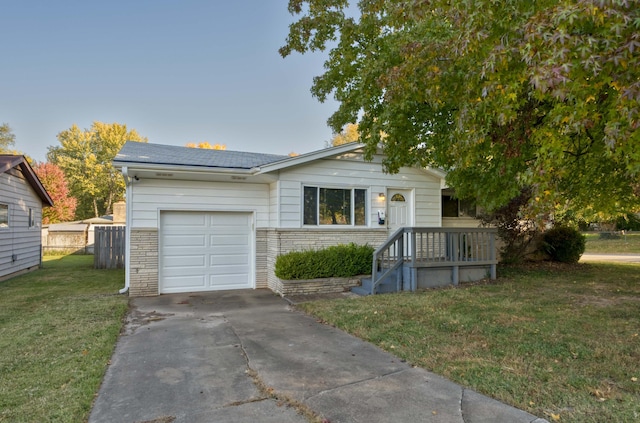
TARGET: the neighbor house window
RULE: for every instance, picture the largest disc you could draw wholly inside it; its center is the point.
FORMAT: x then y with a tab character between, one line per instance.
334	206
453	207
4	216
32	218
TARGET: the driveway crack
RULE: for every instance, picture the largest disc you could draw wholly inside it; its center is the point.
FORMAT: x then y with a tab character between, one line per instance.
356	382
269	393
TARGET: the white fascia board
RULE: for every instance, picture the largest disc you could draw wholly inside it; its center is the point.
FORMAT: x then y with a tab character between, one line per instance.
133	166
309	157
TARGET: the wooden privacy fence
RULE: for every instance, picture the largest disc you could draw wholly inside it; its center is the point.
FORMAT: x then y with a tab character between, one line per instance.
109	247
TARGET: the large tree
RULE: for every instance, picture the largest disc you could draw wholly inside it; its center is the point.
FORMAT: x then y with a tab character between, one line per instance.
55	182
85	156
505	95
7	139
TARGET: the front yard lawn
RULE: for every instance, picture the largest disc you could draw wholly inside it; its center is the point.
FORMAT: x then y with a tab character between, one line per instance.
625	244
560	341
58	328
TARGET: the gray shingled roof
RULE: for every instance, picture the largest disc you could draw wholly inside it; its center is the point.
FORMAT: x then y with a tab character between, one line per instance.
140	152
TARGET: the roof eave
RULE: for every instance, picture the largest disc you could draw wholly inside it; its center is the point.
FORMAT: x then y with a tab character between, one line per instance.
308	157
30	176
132	165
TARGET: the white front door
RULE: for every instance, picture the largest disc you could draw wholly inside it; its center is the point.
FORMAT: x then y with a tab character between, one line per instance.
400	205
205	251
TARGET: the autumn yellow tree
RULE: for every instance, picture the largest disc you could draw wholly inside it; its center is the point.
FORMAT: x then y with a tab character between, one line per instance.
348	134
85	157
206	145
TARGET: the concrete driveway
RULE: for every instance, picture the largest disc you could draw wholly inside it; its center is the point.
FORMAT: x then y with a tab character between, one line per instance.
247	356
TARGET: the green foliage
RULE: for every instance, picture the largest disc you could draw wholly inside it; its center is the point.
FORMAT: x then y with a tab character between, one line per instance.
336	261
85	158
7	138
504	95
515	229
564	244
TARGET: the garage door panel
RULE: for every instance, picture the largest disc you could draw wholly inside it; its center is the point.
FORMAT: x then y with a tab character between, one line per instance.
177	220
181	283
198	261
228	281
181	241
203	251
229	219
230	259
218	239
226	270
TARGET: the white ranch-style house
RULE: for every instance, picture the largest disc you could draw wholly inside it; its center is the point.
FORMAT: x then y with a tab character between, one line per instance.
203	220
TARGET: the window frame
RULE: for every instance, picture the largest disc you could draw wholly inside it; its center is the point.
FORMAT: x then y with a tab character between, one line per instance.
315	221
7	223
32	218
462	207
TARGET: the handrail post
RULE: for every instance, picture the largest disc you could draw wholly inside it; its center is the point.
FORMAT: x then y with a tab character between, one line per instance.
412	246
400	270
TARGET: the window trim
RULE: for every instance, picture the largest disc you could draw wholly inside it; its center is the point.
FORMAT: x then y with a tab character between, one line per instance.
352	190
459	208
6	225
32	218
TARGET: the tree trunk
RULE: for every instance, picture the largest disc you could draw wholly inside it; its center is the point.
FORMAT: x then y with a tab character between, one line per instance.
95	207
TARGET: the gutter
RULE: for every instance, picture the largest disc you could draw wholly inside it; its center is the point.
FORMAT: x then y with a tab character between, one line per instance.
159	167
129	188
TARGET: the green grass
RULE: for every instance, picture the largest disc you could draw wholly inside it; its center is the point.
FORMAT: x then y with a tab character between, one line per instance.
58	328
560	341
626	244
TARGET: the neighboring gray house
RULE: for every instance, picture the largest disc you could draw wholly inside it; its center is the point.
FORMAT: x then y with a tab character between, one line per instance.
22	198
201	220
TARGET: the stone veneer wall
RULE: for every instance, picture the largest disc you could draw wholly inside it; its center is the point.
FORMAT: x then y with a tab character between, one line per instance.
261	258
282	241
316	286
143	279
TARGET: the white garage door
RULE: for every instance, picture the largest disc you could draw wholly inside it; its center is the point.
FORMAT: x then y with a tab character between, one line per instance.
205	251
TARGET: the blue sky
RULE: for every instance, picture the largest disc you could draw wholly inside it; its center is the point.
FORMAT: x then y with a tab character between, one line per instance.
176	71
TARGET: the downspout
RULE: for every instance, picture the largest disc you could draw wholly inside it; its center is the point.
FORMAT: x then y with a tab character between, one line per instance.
127	228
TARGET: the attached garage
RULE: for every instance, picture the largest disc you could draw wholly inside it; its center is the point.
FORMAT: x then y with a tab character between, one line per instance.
206	251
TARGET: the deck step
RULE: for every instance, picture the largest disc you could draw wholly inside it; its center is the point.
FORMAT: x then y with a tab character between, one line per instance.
388	285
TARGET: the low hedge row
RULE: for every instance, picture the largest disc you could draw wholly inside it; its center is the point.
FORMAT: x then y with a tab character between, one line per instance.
337	261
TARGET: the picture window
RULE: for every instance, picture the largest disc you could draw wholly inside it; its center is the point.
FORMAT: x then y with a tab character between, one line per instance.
334	206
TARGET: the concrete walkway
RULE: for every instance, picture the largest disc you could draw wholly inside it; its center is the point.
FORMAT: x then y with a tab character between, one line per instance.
619	258
246	356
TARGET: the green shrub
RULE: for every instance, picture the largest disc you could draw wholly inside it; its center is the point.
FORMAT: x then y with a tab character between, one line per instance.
564	244
337	261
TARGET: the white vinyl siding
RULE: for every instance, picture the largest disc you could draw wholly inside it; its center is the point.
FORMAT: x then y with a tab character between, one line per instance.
351	171
20	244
4	215
149	196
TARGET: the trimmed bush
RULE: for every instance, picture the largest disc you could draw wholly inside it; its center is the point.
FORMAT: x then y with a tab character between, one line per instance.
564	244
338	261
